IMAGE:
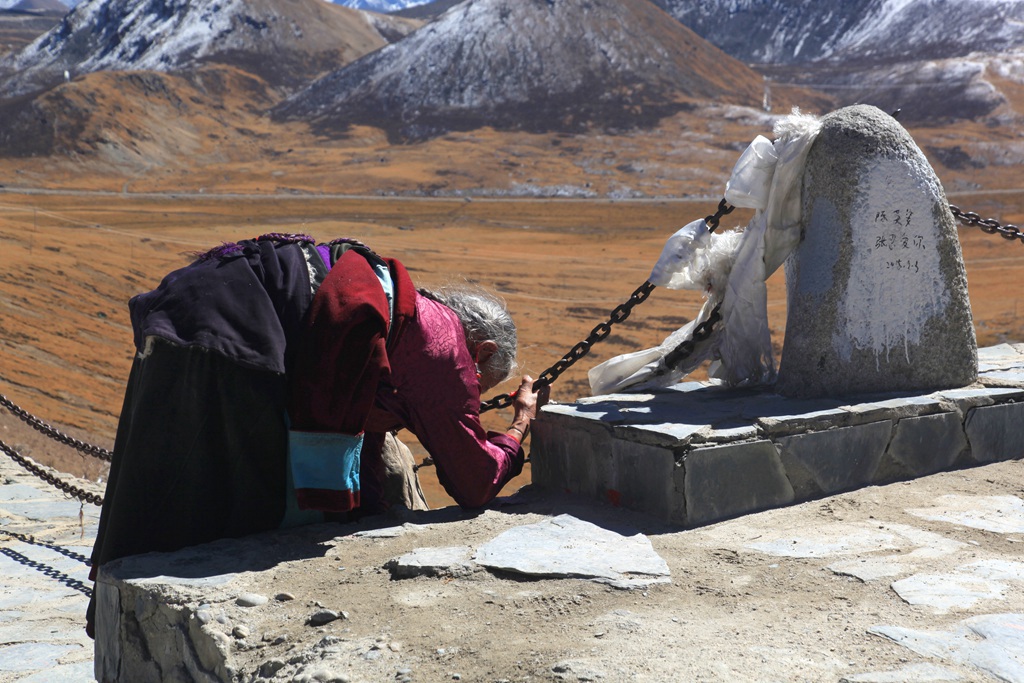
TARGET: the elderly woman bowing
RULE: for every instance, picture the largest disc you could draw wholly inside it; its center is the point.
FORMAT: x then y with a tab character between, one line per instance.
269	379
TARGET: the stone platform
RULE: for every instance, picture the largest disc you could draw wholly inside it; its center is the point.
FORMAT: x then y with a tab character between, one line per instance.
916	582
696	453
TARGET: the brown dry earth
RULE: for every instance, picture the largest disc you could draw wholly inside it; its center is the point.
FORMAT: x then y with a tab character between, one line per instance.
69	261
768	597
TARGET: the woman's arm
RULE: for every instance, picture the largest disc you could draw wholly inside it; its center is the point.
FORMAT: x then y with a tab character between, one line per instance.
435	393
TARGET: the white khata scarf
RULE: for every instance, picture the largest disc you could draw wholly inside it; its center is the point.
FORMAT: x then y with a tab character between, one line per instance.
731	268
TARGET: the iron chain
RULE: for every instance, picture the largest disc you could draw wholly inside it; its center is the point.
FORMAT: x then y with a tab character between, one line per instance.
987	225
50	479
618	314
702	332
600	332
53	433
582	348
713	220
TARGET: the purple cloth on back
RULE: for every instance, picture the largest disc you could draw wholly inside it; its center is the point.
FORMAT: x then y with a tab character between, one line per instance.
248	305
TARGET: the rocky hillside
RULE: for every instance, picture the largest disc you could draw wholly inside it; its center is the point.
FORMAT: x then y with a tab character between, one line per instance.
532	65
785	32
936	60
285	42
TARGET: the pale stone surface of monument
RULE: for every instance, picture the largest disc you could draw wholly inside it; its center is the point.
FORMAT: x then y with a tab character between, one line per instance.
877	289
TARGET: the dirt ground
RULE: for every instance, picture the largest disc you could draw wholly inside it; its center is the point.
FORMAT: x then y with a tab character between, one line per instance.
70	261
769	597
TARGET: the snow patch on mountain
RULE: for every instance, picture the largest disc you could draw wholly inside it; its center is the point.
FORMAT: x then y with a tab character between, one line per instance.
382	6
529	63
124	35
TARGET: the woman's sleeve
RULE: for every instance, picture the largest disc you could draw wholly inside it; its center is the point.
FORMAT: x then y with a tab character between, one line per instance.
434	392
444	413
472	465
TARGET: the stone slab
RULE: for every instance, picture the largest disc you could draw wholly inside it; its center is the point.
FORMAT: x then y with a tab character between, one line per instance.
996	432
993	643
568	547
945	592
453	561
28	656
929	444
834	460
688	454
726	481
998	514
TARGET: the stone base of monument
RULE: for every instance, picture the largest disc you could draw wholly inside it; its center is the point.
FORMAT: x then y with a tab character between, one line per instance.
696	453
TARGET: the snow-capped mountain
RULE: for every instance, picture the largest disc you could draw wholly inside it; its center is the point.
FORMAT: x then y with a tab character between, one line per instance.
287	42
46	6
429	11
793	31
33	5
383	6
530	64
933	59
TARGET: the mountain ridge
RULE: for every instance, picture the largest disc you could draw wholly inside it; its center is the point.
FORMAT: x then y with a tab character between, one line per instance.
283	41
784	32
531	65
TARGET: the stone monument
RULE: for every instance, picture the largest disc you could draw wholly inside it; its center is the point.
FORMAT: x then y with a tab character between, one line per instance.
876	288
879	380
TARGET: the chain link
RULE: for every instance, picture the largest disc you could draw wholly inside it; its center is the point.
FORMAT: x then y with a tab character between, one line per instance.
598	334
50	479
53	433
602	330
724	208
701	333
987	225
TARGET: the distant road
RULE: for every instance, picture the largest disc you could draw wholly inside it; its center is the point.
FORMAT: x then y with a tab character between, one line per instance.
696	199
8	189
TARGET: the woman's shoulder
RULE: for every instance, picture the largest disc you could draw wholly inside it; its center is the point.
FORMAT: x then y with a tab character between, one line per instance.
439	327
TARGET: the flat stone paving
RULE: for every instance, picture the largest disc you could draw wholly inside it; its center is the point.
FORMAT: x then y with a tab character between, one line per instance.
915	582
44	580
695	453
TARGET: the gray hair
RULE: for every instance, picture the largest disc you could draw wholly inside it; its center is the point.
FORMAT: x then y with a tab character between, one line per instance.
484	316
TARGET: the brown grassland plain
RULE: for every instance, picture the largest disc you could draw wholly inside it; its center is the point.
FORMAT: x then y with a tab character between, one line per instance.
70	262
82	233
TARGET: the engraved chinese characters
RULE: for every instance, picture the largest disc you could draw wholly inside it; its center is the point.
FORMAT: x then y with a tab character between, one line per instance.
877	291
898	242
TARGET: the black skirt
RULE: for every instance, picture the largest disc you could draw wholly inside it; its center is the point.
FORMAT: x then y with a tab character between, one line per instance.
200	454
